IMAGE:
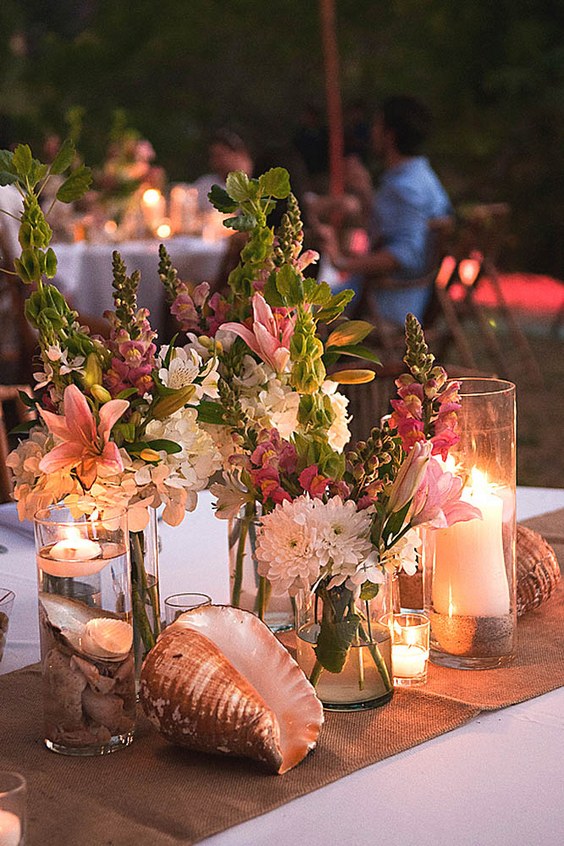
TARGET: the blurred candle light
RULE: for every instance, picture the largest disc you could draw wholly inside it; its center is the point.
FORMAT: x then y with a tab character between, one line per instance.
164	229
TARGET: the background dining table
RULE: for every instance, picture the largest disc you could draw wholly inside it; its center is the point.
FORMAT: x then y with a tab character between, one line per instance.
84	270
496	781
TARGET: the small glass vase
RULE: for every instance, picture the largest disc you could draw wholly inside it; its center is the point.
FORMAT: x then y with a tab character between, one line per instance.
469	568
344	645
86	632
144	553
248	590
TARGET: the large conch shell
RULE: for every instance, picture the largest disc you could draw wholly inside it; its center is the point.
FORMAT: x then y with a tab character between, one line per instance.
219	681
538	572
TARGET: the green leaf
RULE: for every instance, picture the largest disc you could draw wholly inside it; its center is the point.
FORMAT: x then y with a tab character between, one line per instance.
22	159
355	350
37	172
289	284
170	447
336	307
272	294
369	591
349	332
334	641
220	199
64	157
394	523
26	399
210	412
317	293
75	185
242	223
126	393
7	178
23	428
238	186
275	183
7	161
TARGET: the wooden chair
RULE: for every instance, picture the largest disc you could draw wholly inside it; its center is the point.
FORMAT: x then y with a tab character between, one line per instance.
12	409
480	235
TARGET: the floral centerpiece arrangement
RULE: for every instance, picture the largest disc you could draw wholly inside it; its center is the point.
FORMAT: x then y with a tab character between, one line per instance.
250	389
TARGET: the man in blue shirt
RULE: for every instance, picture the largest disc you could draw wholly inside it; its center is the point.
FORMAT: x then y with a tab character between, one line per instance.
410	195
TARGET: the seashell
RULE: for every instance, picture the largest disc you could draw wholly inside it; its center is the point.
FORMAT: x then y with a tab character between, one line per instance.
107	638
537	569
219	681
66	618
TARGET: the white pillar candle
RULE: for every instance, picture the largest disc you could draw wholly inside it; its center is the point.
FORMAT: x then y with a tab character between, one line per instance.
469	577
408	661
10	828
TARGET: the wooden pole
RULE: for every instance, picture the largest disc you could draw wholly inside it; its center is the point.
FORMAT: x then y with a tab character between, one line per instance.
333	97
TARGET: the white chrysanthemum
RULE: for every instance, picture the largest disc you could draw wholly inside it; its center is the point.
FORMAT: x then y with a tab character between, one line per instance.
339	433
198	458
343	536
288	551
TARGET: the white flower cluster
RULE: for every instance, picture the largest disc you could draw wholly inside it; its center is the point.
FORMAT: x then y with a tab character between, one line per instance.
307	539
187	367
270	402
198	458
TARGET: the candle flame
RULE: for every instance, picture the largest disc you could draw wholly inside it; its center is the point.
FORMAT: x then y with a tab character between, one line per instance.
151	197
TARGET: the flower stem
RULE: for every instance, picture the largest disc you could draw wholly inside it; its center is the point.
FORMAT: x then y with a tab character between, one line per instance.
379	661
263	596
238	574
141	591
316	672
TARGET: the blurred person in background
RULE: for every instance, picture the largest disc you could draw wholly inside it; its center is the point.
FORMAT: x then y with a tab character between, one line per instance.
226	152
408	198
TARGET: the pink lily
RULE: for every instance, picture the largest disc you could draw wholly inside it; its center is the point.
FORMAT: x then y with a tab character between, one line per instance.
437	501
270	335
410	476
86	446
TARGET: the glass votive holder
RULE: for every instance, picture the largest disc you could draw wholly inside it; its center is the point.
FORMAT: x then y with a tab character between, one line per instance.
6	602
12	808
410	649
178	603
85	631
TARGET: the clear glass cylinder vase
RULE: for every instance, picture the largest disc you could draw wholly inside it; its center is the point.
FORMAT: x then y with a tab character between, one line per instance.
344	645
469	568
86	632
248	590
144	553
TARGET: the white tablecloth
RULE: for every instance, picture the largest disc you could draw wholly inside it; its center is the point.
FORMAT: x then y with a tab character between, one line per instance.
497	781
84	271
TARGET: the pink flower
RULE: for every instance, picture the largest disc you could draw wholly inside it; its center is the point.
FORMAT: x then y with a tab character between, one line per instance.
437	501
270	335
313	482
272	451
86	447
410	477
267	481
184	310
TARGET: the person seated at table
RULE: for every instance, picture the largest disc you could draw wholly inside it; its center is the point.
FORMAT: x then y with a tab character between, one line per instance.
227	151
409	197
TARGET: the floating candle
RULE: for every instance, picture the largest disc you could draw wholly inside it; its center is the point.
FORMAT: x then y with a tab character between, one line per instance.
10	828
73	555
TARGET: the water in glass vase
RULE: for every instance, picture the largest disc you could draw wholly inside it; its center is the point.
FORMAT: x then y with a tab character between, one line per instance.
86	645
365	680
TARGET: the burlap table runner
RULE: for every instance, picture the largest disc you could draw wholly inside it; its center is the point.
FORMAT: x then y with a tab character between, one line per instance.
153	793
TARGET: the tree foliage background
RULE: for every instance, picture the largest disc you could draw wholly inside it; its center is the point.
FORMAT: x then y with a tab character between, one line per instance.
493	73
